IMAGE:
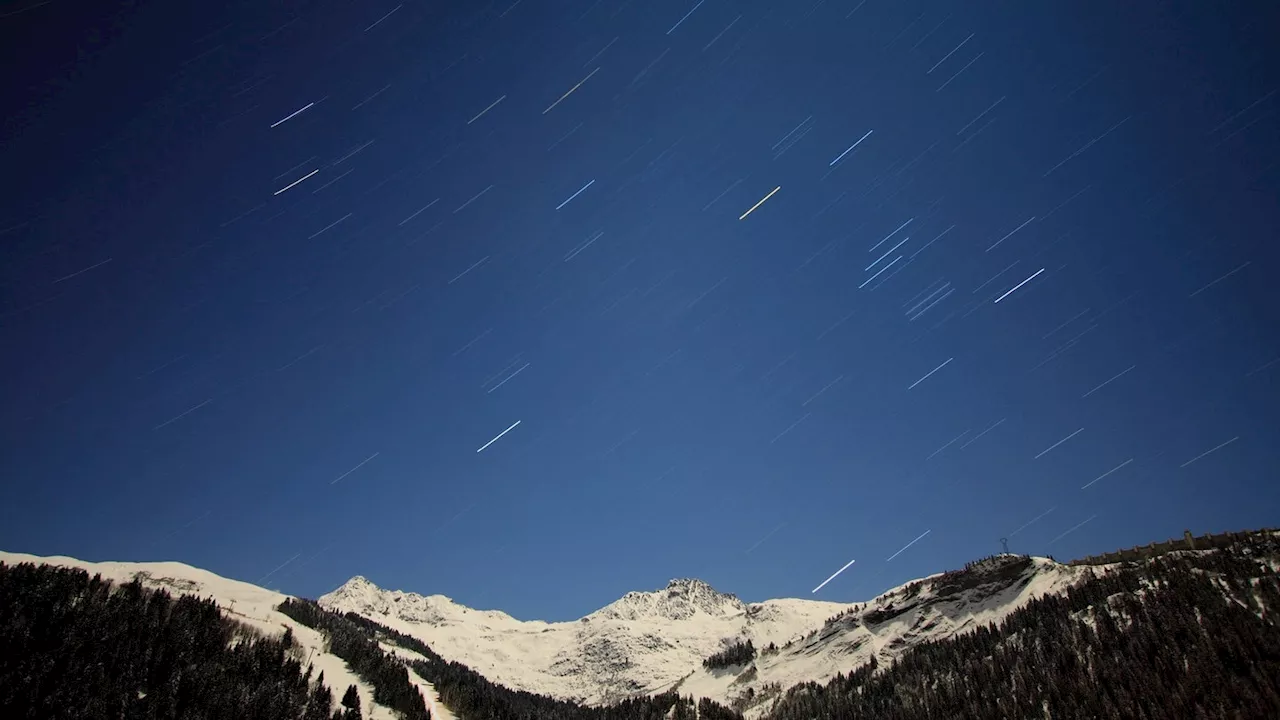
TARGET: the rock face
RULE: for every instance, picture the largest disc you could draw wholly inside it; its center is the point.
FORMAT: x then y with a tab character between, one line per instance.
647	642
682	599
360	596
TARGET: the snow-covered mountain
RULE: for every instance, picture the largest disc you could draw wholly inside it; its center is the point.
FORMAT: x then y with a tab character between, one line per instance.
649	642
249	604
644	642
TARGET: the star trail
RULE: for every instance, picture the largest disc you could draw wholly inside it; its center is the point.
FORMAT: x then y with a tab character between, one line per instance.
811	280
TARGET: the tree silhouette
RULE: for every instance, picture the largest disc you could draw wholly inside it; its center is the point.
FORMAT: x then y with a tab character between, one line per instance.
75	646
351	699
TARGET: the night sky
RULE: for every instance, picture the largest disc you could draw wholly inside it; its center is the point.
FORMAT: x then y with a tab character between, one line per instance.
753	289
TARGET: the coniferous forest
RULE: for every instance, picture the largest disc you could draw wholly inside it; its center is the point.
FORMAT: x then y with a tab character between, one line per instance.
1185	635
388	676
739	653
75	646
1180	636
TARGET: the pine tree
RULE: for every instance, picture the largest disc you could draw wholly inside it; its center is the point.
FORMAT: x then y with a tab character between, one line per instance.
321	704
351	699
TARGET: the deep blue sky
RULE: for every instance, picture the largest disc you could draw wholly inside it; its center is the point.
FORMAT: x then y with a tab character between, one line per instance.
291	387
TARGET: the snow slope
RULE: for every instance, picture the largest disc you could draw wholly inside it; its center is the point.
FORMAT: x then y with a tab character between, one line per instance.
645	642
251	605
648	642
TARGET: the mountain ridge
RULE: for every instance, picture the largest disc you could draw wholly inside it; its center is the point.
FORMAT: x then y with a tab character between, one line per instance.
685	637
1006	636
653	641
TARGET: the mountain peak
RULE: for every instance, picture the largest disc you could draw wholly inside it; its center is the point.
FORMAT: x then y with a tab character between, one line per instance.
681	599
362	597
689	583
359	595
358	587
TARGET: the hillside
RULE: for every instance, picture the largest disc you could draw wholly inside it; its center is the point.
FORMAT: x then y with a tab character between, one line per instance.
252	606
1190	632
650	642
1182	635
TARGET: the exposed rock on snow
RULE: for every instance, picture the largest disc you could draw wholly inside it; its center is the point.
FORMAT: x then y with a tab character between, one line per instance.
647	642
644	642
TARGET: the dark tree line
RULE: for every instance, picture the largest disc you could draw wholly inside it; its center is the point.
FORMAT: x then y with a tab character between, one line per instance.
75	646
1191	636
388	676
739	653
